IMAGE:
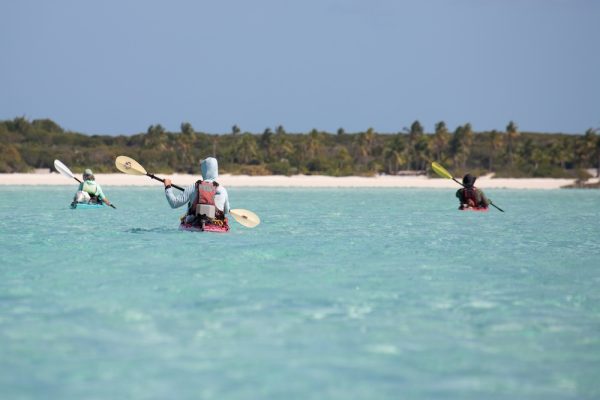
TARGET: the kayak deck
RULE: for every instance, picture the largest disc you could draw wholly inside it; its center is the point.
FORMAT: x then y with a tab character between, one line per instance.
479	209
208	228
82	206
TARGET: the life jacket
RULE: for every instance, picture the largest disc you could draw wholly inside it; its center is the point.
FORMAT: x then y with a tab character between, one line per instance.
469	196
90	188
205	194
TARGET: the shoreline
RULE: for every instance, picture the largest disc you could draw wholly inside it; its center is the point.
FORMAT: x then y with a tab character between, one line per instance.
294	181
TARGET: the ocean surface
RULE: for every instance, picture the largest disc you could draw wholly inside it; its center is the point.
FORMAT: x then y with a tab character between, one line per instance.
338	294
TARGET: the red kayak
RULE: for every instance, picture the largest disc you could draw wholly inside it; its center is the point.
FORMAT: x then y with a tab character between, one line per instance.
480	209
207	228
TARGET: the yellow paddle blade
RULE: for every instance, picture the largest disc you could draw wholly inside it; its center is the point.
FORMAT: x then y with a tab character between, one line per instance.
245	217
129	166
441	171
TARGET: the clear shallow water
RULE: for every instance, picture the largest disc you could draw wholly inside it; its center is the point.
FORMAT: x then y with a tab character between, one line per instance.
338	294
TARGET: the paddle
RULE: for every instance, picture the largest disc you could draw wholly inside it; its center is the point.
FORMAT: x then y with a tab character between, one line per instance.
66	172
245	217
129	166
441	171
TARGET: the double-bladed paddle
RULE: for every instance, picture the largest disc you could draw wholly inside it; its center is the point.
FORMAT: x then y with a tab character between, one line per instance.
441	171
129	166
245	217
66	172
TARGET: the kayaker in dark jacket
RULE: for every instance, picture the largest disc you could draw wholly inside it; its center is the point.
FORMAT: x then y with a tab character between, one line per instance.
470	196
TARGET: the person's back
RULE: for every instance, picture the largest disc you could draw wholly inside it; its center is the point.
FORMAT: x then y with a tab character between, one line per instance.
207	200
470	196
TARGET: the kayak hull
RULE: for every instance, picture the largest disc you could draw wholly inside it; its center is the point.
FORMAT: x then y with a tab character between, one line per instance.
207	228
476	209
86	206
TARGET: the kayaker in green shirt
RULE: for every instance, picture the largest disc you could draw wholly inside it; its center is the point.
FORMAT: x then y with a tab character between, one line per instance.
470	196
89	191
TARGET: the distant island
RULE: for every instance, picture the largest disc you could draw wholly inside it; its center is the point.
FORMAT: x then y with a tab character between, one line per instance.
29	145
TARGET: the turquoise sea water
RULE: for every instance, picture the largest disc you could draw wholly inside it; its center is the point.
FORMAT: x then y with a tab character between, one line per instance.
338	294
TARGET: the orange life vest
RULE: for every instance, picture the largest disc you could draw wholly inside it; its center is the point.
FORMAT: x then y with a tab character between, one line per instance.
205	194
469	196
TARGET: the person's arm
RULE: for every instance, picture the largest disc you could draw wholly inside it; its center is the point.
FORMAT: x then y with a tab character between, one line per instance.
226	208
484	200
99	193
178	199
222	200
459	195
101	196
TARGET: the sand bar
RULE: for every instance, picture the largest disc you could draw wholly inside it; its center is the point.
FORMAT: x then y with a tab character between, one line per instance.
383	181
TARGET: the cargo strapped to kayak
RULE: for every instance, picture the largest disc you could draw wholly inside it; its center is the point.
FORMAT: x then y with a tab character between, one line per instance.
203	213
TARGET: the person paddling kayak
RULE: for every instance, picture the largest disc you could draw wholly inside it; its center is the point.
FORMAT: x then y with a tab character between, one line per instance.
471	197
89	191
207	200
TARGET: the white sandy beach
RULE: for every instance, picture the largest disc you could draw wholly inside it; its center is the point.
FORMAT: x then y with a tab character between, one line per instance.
107	180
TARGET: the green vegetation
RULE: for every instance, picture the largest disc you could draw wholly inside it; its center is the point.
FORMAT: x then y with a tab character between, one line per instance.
26	145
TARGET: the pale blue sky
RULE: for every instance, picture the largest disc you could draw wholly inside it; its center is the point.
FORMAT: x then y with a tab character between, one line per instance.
118	66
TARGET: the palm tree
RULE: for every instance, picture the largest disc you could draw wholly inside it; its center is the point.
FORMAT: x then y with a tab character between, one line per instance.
156	135
155	130
342	158
512	133
247	149
313	144
559	152
283	147
186	128
495	145
235	130
280	130
370	139
361	147
266	143
215	143
441	137
460	145
422	152
414	135
394	154
592	149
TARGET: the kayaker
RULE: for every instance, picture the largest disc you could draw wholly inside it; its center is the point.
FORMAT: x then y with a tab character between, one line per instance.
207	200
470	196
89	191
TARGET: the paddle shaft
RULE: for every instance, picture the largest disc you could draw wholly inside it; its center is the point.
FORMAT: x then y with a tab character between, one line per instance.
163	181
461	184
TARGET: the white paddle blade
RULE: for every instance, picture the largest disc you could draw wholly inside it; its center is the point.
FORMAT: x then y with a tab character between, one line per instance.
63	169
129	166
245	217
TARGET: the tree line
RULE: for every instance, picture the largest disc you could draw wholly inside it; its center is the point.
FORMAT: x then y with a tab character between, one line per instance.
26	145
